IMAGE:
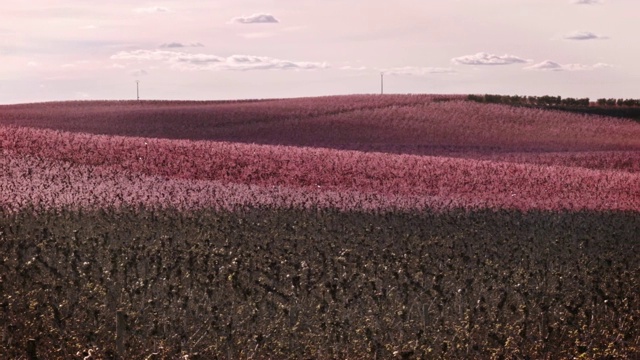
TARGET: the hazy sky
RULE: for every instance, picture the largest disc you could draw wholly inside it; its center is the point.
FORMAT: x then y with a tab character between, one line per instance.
229	49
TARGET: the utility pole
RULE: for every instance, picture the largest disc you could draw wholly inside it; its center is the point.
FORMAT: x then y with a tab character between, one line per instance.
381	83
138	90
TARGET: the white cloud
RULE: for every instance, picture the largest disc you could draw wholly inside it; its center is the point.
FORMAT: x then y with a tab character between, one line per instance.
196	59
188	61
549	65
174	45
151	10
583	35
247	62
546	65
482	58
256	19
174	57
354	68
586	2
418	71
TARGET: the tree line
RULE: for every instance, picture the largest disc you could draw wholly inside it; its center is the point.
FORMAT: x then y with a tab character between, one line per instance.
547	100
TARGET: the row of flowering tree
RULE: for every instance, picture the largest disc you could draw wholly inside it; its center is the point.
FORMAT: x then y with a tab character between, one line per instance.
49	167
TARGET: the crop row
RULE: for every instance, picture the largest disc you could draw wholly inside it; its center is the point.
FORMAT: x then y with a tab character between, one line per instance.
48	169
36	184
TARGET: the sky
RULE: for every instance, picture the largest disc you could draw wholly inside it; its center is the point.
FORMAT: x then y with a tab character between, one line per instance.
246	49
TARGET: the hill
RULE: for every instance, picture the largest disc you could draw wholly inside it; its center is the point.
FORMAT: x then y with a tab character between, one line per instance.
416	124
403	226
405	151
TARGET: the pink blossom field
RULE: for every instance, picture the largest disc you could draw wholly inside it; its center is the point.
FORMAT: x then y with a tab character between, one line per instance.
355	152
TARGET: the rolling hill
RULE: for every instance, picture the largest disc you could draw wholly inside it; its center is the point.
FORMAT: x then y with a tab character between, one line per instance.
396	226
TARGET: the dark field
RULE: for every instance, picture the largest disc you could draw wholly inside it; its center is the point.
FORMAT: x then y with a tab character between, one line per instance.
324	284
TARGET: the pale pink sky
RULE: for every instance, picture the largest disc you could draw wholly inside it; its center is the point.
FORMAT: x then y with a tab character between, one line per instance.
235	49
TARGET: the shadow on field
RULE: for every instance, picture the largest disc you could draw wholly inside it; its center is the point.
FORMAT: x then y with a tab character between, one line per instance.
265	283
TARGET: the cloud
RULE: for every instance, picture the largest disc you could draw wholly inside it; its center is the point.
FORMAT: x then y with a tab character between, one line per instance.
174	45
256	19
139	72
586	2
173	57
549	65
354	68
151	10
583	35
418	71
187	61
247	62
482	58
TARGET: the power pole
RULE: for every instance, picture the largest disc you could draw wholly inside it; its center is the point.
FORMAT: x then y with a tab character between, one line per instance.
381	83
138	90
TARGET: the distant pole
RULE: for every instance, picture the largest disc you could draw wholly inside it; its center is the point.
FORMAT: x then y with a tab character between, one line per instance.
381	83
138	90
